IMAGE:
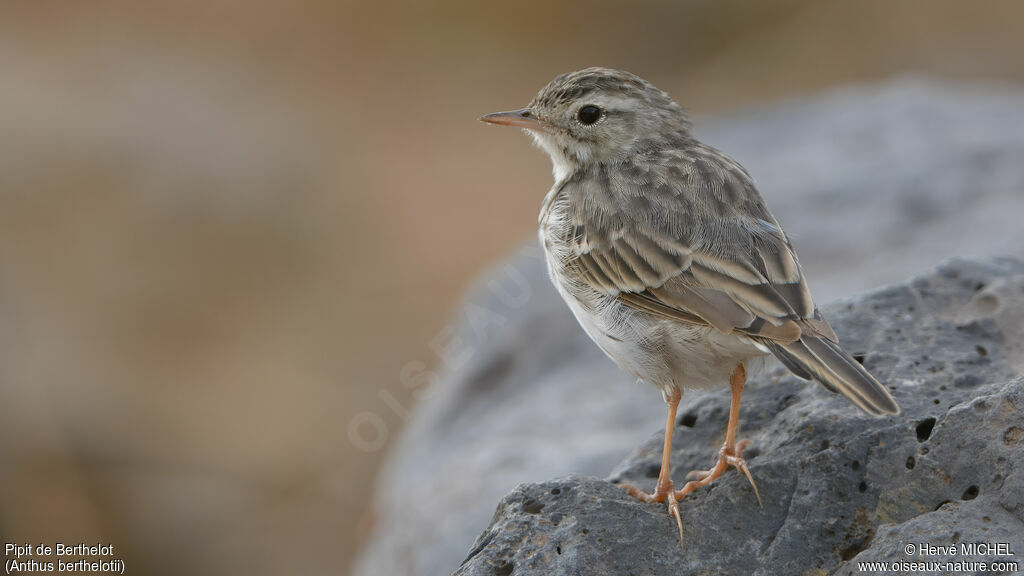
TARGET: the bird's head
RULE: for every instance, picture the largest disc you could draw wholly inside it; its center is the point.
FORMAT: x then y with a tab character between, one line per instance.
597	115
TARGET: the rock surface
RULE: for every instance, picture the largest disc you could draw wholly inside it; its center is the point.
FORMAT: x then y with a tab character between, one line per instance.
838	487
874	184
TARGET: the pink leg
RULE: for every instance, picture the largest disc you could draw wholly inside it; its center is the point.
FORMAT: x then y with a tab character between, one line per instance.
730	454
663	491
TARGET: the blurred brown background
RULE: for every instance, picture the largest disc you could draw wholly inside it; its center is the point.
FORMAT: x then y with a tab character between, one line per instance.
226	228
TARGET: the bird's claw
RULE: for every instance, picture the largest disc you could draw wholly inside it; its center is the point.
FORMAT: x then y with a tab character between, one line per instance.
664	492
726	457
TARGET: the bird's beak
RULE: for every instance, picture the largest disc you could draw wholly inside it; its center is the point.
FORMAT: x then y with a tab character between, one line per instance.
522	118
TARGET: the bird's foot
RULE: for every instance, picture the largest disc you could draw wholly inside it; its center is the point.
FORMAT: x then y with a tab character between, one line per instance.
727	456
664	492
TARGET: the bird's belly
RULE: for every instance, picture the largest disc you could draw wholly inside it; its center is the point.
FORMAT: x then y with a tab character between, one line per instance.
662	352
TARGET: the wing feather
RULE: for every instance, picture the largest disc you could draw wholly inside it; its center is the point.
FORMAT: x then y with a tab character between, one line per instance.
704	249
696	244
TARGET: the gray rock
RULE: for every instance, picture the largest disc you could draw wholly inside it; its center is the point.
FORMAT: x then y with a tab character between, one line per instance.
838	487
524	396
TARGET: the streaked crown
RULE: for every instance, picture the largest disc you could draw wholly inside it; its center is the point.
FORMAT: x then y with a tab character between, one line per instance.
600	115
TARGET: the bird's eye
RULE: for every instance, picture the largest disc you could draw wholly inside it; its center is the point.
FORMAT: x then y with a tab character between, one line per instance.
589	114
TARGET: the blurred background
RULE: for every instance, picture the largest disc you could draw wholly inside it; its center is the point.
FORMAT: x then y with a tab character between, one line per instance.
231	233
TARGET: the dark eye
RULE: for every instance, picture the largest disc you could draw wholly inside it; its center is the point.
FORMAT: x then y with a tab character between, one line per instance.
589	114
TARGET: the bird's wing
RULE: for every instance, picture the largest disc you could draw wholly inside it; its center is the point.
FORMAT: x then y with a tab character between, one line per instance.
689	238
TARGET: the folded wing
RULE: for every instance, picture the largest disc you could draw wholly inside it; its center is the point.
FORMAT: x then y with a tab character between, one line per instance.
691	240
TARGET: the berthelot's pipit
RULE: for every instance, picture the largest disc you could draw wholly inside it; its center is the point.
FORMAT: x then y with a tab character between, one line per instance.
669	258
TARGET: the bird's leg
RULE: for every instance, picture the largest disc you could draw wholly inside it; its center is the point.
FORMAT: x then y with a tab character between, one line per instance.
664	489
731	452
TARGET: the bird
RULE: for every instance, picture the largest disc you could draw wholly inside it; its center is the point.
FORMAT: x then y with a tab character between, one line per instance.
670	260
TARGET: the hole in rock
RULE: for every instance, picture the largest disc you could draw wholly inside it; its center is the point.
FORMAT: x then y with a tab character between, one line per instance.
924	429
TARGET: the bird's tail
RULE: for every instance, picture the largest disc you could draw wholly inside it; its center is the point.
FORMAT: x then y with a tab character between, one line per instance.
819	359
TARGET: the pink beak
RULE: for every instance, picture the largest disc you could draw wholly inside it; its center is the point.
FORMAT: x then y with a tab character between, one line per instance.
522	118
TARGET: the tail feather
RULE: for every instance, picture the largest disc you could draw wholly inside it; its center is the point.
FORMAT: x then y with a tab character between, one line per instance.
824	361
